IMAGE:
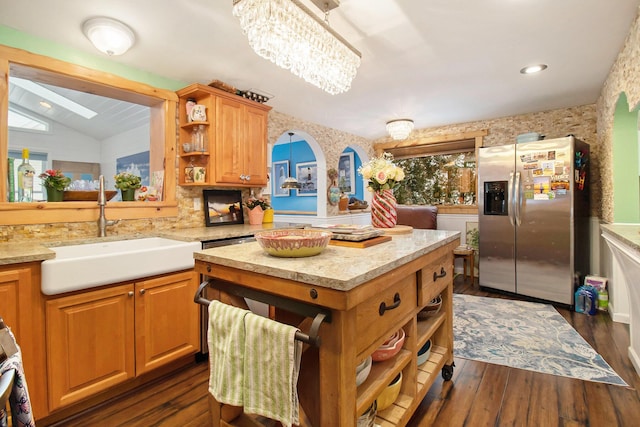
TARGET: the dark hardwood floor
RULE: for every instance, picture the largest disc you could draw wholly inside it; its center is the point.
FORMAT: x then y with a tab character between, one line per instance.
479	394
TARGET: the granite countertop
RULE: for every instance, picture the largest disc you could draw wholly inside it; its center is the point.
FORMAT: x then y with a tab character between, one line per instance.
337	267
15	253
19	252
627	233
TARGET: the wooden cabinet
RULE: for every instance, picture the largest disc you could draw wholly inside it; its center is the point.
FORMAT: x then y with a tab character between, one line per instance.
362	318
19	307
100	338
236	129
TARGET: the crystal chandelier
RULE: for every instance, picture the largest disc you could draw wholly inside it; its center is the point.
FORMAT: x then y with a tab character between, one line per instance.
400	129
291	36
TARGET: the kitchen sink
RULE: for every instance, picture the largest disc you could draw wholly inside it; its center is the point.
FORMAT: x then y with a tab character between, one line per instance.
84	266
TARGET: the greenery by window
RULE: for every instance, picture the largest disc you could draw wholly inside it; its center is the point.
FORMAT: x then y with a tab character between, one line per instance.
443	179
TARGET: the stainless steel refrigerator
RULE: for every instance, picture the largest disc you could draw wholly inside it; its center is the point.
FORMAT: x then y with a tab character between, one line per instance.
533	214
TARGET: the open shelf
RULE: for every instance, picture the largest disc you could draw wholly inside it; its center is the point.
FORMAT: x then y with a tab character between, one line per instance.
382	373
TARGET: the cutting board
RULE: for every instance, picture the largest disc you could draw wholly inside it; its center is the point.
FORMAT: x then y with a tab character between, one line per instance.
362	244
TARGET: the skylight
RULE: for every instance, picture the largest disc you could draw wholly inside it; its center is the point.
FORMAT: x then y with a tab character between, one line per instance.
20	120
51	96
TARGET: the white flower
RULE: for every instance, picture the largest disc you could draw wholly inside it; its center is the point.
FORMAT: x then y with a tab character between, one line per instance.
381	173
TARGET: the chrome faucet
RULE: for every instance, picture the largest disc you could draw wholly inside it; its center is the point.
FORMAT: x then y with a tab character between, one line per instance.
103	223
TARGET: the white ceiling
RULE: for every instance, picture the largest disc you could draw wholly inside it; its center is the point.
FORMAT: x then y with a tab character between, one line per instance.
437	62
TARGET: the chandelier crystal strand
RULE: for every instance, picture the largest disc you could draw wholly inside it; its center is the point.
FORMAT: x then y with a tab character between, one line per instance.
284	32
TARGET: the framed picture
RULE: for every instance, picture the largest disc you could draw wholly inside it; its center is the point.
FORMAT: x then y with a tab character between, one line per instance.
307	175
280	172
222	207
347	173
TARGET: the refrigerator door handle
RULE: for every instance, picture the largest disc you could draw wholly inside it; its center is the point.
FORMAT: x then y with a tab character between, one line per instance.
510	209
517	192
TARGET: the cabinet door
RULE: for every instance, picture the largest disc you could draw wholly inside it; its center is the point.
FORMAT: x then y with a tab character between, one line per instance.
90	343
14	282
229	140
255	153
167	320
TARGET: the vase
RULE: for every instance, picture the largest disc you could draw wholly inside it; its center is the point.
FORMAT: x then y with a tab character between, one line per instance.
54	195
343	202
268	216
256	215
128	195
383	209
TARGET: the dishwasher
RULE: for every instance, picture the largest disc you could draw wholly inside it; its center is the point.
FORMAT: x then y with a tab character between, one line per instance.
255	306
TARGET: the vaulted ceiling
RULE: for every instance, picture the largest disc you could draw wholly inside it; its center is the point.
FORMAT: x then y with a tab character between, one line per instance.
435	61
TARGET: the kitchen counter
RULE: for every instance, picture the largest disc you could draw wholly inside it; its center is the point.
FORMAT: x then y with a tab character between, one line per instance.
15	253
627	233
337	267
19	252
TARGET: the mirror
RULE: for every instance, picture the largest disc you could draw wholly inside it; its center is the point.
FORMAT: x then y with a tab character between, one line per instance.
143	120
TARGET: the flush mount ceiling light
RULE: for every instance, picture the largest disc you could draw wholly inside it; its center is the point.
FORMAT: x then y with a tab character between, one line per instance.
531	69
294	38
108	35
400	129
290	182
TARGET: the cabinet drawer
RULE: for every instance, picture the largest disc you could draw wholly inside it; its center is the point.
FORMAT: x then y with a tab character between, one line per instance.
434	278
372	321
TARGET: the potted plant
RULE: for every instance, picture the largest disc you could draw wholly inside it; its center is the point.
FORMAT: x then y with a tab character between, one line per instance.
127	183
55	183
257	206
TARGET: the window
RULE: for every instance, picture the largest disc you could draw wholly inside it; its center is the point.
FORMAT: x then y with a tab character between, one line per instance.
39	163
442	179
24	121
439	170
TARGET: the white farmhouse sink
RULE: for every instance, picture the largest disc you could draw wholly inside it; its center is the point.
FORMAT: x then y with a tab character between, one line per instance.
79	267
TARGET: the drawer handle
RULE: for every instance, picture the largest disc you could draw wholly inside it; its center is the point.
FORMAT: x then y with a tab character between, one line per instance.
436	276
396	304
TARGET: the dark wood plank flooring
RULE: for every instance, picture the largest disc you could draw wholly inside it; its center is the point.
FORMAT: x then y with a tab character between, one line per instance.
479	394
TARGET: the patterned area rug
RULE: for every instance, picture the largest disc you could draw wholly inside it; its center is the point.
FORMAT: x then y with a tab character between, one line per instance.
525	335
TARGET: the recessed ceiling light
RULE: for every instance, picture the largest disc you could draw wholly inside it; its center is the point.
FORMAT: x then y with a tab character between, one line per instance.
45	104
531	69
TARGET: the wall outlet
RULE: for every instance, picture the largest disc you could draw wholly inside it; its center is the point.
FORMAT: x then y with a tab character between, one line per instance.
196	204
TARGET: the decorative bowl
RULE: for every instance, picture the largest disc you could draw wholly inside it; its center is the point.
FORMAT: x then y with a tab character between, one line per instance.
86	196
363	370
390	347
431	309
390	394
369	417
293	243
424	352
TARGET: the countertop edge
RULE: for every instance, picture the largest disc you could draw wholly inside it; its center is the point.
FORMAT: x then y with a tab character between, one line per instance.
321	279
626	233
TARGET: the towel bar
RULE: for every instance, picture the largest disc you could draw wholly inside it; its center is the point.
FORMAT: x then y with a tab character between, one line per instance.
306	310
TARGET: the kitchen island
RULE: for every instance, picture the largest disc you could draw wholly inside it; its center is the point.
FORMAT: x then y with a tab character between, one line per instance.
366	295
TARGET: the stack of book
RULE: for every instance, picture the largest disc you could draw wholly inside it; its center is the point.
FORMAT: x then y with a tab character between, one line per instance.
351	232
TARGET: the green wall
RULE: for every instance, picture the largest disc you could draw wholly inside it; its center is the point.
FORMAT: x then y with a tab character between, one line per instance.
20	40
626	187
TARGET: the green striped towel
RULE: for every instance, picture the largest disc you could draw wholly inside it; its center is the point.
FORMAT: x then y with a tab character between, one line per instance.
226	349
255	363
271	366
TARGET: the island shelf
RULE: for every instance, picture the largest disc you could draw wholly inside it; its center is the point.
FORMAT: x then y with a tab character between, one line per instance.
351	284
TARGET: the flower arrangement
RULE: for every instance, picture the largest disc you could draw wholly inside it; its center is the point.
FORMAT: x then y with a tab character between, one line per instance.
54	178
127	181
253	202
381	173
